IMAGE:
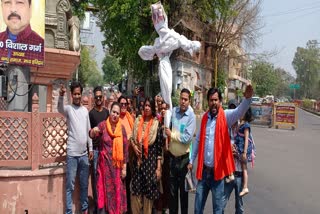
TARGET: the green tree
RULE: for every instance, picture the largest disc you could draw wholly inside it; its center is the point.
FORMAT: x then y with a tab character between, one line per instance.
264	78
111	69
79	7
284	79
222	76
127	26
88	72
306	63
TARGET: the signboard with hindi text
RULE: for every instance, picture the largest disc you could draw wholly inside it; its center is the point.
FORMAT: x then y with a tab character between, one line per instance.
22	31
285	115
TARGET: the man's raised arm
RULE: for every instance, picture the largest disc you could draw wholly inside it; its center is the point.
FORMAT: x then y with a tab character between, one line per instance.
236	114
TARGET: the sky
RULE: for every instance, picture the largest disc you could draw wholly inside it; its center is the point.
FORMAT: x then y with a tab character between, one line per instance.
288	24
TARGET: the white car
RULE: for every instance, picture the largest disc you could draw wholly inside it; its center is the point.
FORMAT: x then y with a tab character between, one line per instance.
256	100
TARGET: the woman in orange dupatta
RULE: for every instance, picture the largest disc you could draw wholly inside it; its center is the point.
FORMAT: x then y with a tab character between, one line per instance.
111	170
147	142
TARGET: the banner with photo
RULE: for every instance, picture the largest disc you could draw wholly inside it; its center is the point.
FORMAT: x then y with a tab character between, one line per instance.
22	32
262	114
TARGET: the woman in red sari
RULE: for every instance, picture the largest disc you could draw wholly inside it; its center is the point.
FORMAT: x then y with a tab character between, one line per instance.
111	170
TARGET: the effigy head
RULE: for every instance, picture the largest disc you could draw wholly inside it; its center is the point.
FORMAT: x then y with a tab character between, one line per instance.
159	16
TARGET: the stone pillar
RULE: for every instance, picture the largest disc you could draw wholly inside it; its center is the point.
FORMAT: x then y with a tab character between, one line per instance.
35	103
49	98
18	87
35	146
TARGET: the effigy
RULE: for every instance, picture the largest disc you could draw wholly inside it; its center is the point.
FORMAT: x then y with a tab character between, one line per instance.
163	46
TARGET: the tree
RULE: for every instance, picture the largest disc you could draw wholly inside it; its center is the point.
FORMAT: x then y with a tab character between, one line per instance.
284	79
306	63
111	69
88	72
126	26
264	78
235	23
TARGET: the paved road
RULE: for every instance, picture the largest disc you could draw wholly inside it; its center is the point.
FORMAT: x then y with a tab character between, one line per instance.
286	175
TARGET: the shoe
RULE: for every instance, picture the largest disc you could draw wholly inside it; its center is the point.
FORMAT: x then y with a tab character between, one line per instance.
244	192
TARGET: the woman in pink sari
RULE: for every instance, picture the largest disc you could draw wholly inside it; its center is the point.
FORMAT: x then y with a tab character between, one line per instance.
111	170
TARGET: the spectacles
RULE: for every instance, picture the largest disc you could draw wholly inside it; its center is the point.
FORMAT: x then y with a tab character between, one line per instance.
123	104
98	97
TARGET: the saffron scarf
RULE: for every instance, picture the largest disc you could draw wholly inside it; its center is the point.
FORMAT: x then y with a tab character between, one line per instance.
130	119
223	158
145	135
117	144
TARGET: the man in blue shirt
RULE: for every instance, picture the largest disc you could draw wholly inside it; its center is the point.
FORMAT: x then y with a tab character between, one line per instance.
183	122
207	181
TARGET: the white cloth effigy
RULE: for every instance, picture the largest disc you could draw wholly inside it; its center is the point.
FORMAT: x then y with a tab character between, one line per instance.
163	46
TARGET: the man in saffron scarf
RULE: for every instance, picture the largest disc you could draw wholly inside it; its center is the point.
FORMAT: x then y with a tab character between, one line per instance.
215	160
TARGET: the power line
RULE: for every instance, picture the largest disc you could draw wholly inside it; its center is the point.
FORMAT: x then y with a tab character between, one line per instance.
314	5
296	17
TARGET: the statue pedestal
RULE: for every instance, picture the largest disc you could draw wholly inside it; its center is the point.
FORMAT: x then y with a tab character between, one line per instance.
59	67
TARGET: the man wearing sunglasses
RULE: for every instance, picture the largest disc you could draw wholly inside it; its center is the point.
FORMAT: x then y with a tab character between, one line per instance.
97	114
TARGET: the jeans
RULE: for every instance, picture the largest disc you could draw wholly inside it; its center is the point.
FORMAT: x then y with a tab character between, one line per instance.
235	185
94	177
178	171
76	165
204	185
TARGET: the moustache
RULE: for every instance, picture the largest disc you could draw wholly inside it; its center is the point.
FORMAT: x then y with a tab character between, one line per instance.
14	14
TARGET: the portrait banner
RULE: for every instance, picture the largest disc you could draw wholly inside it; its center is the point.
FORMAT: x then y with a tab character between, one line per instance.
22	31
262	114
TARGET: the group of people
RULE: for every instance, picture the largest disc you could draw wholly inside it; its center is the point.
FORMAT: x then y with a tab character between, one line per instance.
139	165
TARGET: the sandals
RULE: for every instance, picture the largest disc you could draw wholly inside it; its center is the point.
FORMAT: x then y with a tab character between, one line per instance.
244	192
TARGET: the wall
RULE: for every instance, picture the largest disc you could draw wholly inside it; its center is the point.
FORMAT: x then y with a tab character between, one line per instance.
38	192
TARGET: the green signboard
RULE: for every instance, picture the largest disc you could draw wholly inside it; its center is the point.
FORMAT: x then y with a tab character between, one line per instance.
294	86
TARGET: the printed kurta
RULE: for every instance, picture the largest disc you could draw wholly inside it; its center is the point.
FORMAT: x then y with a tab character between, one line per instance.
111	189
144	181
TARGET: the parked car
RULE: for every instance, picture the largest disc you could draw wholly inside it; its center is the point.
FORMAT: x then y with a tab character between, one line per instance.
256	100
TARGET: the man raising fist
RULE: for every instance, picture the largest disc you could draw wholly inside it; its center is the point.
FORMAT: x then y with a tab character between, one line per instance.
78	139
